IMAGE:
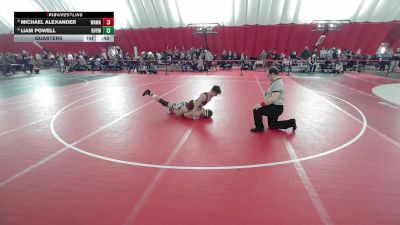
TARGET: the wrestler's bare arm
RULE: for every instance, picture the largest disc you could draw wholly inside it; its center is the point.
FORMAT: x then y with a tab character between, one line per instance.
195	115
179	112
198	102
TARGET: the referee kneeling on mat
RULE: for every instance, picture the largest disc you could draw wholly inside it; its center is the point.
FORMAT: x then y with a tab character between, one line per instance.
272	105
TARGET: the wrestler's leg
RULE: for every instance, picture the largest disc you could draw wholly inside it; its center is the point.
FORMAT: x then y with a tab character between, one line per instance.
158	99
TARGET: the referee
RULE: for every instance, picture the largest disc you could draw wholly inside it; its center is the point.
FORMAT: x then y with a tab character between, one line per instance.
272	105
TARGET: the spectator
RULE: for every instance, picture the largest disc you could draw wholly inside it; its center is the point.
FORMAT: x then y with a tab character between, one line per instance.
82	65
395	62
335	53
209	58
263	55
305	54
385	56
287	65
323	53
26	60
338	67
60	61
153	68
6	60
200	64
293	55
329	54
142	68
313	63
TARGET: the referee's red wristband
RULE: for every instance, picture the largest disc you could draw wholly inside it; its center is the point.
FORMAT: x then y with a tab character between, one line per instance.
262	103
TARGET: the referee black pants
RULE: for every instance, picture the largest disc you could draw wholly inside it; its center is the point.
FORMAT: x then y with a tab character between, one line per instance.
272	112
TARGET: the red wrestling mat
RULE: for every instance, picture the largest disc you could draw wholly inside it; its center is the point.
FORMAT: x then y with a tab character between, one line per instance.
104	154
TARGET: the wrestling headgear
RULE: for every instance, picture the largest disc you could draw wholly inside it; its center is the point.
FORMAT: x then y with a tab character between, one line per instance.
208	113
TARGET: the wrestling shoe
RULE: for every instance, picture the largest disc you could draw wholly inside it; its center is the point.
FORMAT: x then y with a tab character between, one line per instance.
257	129
146	92
294	124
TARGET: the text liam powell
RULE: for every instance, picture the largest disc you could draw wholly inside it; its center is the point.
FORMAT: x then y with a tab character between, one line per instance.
38	31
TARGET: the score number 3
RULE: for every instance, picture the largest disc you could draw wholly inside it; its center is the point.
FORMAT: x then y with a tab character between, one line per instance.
108	21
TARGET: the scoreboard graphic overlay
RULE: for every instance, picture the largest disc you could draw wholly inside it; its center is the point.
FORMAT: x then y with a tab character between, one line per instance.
64	26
